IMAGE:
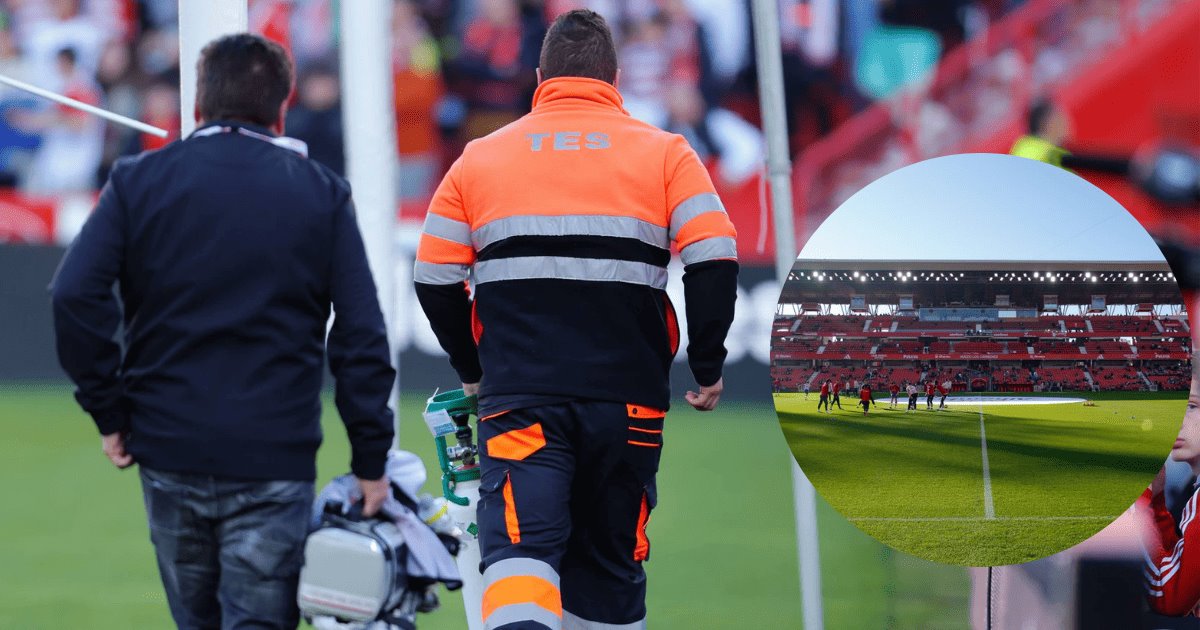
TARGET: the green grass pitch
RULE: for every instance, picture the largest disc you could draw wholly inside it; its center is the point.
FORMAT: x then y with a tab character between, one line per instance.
1057	473
75	551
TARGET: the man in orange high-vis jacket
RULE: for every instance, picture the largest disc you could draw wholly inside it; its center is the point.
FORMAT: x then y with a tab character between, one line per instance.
564	220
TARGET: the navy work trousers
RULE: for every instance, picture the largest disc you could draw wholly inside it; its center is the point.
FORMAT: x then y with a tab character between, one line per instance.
566	493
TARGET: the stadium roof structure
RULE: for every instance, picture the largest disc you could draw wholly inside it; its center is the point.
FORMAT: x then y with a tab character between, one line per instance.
978	283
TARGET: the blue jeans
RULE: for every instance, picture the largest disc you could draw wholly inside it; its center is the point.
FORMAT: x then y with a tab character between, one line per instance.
229	551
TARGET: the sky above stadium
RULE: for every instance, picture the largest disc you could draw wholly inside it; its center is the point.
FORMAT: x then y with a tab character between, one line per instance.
981	207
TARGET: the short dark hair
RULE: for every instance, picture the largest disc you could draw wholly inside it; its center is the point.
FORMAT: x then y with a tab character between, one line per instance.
579	44
243	77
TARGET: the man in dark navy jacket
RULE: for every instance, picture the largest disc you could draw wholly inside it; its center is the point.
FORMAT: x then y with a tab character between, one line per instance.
228	250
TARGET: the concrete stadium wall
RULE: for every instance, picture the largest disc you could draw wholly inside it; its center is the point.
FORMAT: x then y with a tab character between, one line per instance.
26	329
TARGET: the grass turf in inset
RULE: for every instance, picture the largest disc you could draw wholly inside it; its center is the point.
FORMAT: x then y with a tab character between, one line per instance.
916	481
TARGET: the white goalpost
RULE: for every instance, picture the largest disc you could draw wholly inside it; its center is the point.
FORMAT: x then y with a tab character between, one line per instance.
369	125
199	24
779	171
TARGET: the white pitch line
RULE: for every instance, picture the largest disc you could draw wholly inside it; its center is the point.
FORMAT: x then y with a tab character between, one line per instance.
989	508
918	519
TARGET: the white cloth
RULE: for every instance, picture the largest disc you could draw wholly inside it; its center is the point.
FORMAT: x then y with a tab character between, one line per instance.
427	557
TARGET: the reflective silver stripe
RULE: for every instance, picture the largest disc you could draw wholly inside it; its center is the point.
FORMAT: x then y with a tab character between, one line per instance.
709	249
569	225
567	268
522	612
571	622
449	229
693	207
439	273
520	566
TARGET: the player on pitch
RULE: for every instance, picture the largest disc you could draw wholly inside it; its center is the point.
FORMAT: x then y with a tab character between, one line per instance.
564	220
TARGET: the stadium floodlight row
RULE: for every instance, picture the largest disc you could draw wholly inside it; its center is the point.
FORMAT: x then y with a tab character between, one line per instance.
986	326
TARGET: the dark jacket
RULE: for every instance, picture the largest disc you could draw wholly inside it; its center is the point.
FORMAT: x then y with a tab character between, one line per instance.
564	222
228	252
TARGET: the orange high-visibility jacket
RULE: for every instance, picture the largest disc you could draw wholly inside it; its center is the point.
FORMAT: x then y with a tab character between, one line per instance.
563	221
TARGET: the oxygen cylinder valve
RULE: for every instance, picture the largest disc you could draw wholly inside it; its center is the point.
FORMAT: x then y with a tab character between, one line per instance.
450	413
465	450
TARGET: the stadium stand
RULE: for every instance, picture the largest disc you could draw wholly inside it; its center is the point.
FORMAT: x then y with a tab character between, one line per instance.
1055	347
1063	378
980	350
848	346
1117	378
1105	324
1167	377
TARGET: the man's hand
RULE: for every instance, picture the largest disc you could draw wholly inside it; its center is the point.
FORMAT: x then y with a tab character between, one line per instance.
374	493
707	399
114	448
470	389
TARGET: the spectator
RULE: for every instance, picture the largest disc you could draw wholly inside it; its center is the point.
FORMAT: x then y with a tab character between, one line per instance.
645	66
418	91
718	135
495	67
122	95
17	144
72	141
60	24
687	47
317	117
161	109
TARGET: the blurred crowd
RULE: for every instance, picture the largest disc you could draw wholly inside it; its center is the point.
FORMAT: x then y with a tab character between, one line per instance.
462	68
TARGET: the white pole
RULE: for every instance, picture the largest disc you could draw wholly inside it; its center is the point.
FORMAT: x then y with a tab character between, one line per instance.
370	134
80	105
200	22
769	58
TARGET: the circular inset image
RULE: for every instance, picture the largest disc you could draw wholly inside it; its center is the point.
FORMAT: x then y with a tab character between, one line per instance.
980	359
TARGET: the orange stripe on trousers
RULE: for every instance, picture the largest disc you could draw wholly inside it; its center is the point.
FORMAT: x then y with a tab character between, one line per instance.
510	513
521	589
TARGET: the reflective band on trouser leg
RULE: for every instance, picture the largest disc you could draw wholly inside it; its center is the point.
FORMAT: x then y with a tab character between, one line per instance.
569	225
521	589
568	268
693	207
572	622
718	247
439	273
517	613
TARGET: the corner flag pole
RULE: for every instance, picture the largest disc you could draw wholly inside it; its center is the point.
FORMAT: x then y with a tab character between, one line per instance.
369	122
769	60
84	107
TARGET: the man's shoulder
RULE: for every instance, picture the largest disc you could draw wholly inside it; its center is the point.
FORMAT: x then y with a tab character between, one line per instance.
292	161
148	159
336	182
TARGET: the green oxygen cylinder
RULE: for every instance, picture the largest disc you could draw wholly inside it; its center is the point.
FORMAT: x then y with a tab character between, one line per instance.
449	413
